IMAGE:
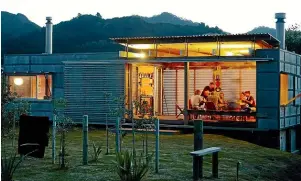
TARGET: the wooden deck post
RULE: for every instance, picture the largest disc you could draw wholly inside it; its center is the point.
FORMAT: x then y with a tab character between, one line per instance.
186	91
157	124
215	165
117	138
198	145
85	139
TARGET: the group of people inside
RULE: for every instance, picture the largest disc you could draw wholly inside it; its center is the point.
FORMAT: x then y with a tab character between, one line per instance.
199	99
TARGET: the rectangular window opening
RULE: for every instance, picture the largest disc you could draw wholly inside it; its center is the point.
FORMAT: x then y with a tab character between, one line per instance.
34	86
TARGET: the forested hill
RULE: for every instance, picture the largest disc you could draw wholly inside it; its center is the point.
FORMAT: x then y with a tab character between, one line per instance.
89	33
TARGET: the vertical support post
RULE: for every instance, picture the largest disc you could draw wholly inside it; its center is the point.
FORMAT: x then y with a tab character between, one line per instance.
155	95
107	135
198	145
14	130
85	139
157	124
215	165
117	138
186	91
127	48
53	139
237	170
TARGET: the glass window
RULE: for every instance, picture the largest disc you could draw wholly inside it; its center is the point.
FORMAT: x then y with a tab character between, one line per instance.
37	86
283	89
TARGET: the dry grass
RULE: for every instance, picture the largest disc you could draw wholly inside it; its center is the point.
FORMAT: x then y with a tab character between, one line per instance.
258	163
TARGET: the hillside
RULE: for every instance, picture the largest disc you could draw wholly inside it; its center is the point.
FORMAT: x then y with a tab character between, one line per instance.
88	33
263	29
166	17
14	25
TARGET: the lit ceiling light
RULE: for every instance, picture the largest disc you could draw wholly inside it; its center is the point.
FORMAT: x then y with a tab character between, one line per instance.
236	46
140	46
229	54
18	81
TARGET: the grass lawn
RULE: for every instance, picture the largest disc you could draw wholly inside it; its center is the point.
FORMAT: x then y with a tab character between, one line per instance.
258	163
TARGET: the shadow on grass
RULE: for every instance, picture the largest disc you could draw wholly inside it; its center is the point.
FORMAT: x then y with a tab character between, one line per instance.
291	172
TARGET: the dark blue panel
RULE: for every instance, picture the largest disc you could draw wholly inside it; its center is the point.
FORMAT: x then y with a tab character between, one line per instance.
271	66
58	80
266	98
267	81
58	93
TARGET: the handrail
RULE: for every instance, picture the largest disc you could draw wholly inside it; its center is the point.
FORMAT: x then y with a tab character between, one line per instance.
290	101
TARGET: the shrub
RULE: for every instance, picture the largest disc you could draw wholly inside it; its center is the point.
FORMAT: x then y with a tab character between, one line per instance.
130	167
9	163
96	152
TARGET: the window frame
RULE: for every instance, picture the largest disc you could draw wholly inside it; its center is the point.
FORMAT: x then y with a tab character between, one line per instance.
7	75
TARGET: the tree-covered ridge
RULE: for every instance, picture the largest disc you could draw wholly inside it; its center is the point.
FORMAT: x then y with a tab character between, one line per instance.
89	33
263	29
14	25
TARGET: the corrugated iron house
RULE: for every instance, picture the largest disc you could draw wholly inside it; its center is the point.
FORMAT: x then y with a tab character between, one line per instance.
166	71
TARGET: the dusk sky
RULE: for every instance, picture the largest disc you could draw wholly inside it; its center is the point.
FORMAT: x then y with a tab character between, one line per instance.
234	16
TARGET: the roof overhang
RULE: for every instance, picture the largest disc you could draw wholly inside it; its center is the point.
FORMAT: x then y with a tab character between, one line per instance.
199	38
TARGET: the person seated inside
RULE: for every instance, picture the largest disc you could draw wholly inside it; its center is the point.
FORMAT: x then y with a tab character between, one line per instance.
249	100
221	102
197	100
209	88
242	96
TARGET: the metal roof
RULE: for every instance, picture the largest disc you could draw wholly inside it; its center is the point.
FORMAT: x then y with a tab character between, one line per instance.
200	38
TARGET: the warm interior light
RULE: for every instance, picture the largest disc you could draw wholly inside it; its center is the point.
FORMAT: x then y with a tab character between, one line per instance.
139	55
140	46
18	81
229	53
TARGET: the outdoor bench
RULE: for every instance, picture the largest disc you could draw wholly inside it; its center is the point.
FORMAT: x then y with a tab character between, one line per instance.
198	161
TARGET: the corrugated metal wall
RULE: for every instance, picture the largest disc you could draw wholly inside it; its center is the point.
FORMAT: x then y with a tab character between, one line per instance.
85	85
180	89
169	92
230	84
202	78
235	81
248	81
173	87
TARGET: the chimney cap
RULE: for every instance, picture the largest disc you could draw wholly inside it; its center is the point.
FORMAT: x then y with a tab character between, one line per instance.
280	15
49	18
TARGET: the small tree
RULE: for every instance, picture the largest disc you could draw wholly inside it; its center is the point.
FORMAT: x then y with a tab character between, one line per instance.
11	108
64	124
145	123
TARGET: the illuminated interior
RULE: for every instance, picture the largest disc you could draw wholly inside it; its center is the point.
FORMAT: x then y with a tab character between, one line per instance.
146	75
232	77
195	46
241	48
284	89
37	86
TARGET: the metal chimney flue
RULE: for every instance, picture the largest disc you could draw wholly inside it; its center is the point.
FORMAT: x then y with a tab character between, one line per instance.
48	42
280	28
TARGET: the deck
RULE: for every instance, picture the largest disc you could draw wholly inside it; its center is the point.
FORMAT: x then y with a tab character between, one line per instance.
171	122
